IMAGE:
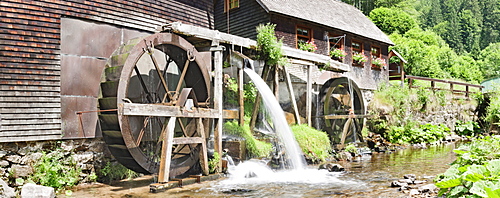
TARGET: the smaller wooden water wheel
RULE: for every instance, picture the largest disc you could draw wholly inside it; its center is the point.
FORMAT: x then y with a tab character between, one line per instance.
342	109
157	93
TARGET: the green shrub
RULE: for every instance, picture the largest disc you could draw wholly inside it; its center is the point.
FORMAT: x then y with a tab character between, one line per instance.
315	144
427	133
475	172
57	170
270	45
255	148
213	164
113	171
469	128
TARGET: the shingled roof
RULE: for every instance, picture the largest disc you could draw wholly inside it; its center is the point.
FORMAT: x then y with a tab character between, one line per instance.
331	13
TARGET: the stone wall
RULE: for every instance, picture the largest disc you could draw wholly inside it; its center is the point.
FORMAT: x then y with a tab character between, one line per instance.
17	160
456	109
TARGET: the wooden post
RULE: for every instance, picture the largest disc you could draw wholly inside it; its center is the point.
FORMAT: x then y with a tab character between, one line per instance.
292	95
276	83
203	153
218	97
309	95
240	97
467	91
451	88
256	106
167	133
433	85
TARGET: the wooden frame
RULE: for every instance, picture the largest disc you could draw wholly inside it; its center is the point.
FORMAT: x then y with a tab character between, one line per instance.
336	41
374	54
231	4
303	33
357	48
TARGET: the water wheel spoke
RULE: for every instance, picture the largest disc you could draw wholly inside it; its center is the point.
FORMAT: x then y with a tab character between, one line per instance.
158	70
149	98
181	79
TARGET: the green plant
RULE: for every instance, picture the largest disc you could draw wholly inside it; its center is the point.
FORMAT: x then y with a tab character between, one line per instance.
378	62
359	57
351	148
57	170
213	164
469	128
113	171
337	53
475	172
255	148
314	143
270	45
308	46
426	133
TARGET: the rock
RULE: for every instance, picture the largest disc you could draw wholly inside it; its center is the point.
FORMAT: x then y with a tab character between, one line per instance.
398	184
84	157
7	191
414	192
21	170
16	159
407	181
410	176
31	158
428	188
4	163
3	153
419	181
331	167
345	156
33	190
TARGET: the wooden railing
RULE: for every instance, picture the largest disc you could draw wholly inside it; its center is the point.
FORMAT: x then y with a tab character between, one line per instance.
452	84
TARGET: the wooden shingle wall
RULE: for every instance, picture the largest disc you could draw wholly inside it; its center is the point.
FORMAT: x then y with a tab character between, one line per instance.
30	53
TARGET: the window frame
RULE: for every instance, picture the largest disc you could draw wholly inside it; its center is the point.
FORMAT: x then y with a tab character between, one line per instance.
231	4
300	37
353	51
376	55
340	43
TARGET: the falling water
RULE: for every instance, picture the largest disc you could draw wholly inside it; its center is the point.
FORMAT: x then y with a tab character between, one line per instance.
281	127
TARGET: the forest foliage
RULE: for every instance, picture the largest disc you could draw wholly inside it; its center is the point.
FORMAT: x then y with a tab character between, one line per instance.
457	39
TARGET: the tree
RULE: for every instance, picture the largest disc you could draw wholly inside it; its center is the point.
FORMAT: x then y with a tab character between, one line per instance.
390	20
489	61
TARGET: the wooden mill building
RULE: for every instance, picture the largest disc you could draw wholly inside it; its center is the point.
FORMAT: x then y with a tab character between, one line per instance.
53	52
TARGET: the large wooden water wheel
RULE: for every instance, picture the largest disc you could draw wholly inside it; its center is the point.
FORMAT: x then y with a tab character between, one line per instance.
343	110
154	88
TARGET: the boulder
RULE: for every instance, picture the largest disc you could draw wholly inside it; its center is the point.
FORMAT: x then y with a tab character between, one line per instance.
414	192
398	184
428	188
7	192
21	170
4	163
32	190
331	167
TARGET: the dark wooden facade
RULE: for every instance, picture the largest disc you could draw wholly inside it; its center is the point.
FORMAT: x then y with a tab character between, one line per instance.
51	49
241	23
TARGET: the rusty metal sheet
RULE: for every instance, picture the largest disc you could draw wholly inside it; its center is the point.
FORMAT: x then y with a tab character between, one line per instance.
72	127
81	75
89	39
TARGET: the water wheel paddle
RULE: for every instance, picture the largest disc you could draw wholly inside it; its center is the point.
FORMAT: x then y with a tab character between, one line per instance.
163	70
343	109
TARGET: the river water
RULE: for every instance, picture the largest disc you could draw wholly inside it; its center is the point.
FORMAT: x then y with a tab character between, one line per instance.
368	176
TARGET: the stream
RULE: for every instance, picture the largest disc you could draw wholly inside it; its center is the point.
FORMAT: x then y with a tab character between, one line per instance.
367	176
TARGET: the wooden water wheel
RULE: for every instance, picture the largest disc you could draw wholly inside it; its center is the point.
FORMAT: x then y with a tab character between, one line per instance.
343	110
157	92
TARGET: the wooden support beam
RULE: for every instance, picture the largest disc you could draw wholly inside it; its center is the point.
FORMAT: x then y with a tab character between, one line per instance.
203	153
166	150
218	95
292	95
133	109
309	95
331	117
187	140
241	115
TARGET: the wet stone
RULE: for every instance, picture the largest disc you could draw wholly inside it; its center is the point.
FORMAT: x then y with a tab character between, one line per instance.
410	176
414	192
428	188
398	184
407	181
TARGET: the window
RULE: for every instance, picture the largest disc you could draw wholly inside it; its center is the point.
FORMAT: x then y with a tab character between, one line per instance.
377	61
303	35
357	47
230	4
336	41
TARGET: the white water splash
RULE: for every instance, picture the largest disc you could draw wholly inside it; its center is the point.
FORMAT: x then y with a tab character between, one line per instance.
281	127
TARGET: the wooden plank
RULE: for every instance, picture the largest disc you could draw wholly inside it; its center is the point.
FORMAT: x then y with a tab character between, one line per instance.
30	110
30	122
29	133
55	99
30	138
30	71
17	129
29	77
230	114
346	116
188	140
6	116
131	109
31	82
30	105
30	88
33	95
